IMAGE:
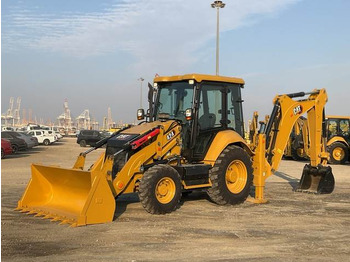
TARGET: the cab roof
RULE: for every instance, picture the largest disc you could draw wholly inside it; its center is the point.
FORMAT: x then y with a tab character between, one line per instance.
199	78
338	117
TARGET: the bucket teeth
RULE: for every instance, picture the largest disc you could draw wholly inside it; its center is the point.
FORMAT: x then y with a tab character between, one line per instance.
39	214
46	215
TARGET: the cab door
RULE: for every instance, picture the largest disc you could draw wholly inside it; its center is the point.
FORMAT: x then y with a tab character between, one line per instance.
209	119
219	109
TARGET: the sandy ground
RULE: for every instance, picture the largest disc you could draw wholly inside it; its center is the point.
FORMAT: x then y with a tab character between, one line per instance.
291	227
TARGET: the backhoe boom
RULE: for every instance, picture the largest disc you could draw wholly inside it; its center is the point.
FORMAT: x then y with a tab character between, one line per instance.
274	138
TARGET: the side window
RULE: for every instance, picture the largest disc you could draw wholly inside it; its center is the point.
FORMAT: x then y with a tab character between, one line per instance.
210	107
38	133
344	127
332	128
234	109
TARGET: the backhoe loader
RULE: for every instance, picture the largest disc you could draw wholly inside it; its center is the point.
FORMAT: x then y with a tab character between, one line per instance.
190	138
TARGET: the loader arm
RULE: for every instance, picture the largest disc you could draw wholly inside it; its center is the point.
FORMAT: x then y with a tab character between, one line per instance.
274	138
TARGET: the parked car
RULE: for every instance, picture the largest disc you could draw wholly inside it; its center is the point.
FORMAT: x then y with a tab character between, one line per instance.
54	133
89	137
29	140
17	144
32	138
43	138
6	148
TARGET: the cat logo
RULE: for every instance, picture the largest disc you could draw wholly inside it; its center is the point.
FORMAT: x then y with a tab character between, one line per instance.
297	110
170	135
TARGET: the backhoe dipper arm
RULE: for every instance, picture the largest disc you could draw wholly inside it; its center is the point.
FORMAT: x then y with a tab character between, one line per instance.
274	138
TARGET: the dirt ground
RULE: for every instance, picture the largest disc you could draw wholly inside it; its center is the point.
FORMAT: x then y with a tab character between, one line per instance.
291	227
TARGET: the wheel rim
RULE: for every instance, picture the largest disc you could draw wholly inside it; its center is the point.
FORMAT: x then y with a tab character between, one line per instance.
338	153
236	176
165	190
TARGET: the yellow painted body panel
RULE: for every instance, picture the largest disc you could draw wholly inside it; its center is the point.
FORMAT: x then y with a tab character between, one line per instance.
220	142
199	78
337	139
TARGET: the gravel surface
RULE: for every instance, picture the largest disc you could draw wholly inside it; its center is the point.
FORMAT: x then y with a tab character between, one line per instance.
291	227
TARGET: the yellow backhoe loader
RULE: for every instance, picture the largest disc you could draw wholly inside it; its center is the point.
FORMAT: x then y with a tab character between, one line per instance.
298	143
338	143
192	139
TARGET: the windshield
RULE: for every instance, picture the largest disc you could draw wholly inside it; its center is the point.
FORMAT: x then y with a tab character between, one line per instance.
173	99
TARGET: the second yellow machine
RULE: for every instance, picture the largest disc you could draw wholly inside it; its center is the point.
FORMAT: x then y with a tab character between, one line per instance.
192	139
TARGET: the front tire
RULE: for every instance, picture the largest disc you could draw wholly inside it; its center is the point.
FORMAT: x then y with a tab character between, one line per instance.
231	177
339	153
160	189
46	142
2	153
14	149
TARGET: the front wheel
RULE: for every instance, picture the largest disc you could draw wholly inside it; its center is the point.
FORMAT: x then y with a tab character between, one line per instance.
231	177
339	153
46	142
2	153
160	189
14	149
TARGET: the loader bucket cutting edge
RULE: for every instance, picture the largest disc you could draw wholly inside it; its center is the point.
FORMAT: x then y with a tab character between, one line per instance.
318	180
72	196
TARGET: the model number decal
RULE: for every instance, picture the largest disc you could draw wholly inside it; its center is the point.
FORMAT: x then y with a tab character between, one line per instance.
297	110
170	135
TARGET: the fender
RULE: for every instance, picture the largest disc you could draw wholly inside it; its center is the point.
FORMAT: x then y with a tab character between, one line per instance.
337	139
221	141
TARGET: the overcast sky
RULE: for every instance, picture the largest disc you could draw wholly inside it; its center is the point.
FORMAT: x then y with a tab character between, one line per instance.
92	52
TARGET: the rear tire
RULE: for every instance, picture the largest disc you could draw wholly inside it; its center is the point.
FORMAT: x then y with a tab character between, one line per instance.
160	189
46	142
231	177
296	155
82	143
339	153
2	153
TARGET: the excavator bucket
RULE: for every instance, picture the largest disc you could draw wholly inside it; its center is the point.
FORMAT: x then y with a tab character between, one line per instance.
318	180
72	196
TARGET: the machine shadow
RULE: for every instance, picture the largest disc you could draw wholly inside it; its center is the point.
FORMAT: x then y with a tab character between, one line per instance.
124	200
293	182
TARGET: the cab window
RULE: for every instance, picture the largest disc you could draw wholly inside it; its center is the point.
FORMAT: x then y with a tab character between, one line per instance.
344	127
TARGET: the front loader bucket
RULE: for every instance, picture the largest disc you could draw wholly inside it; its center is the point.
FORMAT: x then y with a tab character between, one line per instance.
319	180
72	196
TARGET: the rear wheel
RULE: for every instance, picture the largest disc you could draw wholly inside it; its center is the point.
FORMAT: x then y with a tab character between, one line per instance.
231	177
14	149
2	153
160	189
46	142
339	153
82	143
297	154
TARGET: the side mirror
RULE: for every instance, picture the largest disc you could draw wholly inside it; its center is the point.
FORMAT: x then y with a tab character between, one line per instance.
140	114
188	114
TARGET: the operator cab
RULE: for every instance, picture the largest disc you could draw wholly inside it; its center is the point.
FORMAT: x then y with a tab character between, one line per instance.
204	105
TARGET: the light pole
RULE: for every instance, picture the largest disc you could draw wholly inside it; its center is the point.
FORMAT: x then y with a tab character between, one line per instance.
141	80
217	5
